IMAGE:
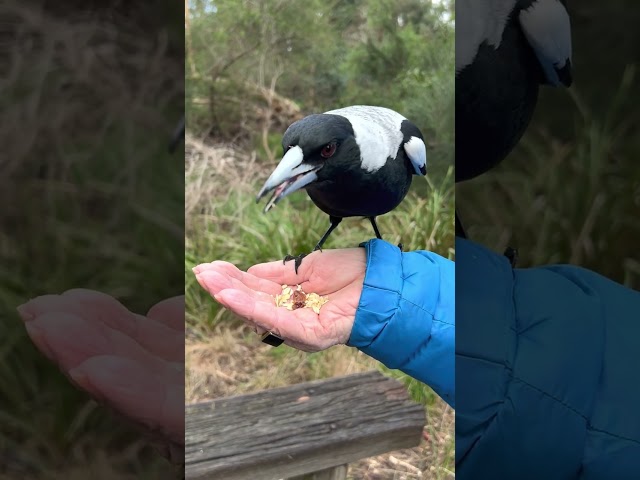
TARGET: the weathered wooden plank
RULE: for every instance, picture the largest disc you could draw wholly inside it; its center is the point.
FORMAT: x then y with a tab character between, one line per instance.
300	429
333	473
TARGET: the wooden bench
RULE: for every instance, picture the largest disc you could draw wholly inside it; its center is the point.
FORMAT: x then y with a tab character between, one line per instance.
307	431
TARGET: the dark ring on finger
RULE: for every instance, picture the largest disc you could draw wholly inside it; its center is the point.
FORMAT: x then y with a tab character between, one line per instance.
272	339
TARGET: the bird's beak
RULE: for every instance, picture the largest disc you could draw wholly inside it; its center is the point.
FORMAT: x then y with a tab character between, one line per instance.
564	74
290	175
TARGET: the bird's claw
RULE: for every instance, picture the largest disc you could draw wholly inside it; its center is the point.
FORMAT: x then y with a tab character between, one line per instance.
297	258
400	246
512	255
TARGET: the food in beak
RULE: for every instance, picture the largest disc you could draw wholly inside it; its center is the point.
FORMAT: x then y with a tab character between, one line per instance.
290	175
288	186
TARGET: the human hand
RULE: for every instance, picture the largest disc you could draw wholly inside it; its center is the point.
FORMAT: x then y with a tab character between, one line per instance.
132	364
336	273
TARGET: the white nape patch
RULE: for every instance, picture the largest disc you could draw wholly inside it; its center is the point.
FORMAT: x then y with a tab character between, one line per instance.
547	27
417	153
377	132
479	21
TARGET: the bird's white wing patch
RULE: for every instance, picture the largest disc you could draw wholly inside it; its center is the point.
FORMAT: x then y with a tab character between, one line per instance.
547	27
479	21
417	153
377	132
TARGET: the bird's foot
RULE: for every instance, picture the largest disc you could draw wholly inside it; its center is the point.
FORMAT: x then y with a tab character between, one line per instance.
512	255
400	246
297	258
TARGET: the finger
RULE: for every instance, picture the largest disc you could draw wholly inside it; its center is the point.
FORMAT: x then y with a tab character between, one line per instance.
97	307
69	340
255	328
322	272
284	273
133	391
286	324
325	259
213	282
170	312
211	265
229	270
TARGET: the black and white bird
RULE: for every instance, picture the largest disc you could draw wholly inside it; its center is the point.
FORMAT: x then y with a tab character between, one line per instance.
505	49
356	161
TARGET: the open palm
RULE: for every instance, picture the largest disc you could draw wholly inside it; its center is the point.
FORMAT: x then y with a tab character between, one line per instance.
338	274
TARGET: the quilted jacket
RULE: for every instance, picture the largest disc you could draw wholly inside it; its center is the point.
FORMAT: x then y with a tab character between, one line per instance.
547	372
403	324
546	360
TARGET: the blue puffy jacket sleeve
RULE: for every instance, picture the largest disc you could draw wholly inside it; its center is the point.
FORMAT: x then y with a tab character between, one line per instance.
547	371
406	315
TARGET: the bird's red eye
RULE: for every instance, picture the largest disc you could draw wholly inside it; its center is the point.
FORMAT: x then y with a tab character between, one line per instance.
328	150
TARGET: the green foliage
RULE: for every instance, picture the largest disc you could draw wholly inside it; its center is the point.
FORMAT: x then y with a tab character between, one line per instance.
566	201
323	55
91	206
85	223
570	191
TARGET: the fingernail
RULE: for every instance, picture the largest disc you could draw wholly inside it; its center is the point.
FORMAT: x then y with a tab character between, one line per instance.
82	381
37	336
23	311
78	376
196	269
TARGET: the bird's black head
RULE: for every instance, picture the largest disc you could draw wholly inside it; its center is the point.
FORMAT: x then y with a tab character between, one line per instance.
320	136
312	149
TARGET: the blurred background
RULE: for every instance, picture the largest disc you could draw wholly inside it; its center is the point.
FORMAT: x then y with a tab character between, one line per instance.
253	67
570	191
91	92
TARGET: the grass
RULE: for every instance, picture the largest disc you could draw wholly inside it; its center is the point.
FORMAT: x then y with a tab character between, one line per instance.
573	201
224	358
91	199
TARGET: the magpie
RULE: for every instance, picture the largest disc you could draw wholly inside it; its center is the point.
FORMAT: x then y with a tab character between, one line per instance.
356	161
505	50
